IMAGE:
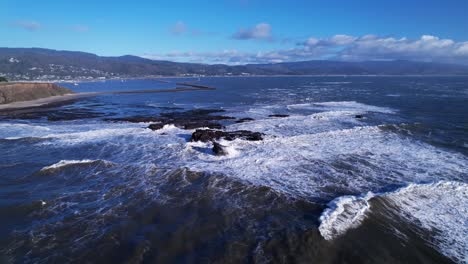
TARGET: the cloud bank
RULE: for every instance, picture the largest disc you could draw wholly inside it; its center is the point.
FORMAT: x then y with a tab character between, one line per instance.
260	31
338	47
372	47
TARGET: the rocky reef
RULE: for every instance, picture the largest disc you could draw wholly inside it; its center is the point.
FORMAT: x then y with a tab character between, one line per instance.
208	125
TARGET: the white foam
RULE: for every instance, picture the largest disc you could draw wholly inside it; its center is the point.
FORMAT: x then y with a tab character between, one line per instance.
299	124
64	163
353	160
19	130
441	208
352	105
231	151
342	214
336	82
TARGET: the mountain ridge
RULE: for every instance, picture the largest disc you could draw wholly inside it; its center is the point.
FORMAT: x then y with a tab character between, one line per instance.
47	64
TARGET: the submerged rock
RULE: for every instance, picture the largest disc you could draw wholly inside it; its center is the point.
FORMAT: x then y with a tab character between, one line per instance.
206	135
156	126
278	115
246	119
358	116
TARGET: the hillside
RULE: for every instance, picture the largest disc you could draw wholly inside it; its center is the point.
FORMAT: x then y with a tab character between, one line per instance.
45	64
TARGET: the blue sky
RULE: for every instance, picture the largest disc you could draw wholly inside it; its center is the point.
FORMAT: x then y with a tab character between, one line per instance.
243	31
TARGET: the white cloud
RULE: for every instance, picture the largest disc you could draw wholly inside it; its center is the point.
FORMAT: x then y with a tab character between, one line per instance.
260	31
28	25
178	28
340	40
339	47
371	47
463	49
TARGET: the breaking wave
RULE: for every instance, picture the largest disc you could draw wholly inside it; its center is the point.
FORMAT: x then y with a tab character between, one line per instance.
64	163
441	208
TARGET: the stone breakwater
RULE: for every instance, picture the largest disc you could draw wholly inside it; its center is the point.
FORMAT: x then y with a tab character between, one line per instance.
17	92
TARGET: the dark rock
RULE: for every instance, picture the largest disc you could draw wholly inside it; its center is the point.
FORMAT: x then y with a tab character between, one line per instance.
206	135
278	115
358	116
219	149
246	119
156	126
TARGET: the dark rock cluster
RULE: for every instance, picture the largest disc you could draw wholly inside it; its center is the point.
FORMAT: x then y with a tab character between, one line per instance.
206	135
200	118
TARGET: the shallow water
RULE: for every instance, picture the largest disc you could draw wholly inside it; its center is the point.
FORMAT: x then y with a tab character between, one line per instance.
323	186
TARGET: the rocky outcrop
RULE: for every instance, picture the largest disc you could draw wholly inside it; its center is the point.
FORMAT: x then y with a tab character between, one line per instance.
218	149
16	92
206	135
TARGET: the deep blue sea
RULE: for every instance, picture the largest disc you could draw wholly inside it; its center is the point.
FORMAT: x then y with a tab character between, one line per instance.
350	170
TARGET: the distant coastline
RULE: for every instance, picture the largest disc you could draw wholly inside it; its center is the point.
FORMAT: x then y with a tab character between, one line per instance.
30	64
234	76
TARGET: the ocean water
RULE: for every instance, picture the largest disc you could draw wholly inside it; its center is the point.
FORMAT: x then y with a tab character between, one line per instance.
322	186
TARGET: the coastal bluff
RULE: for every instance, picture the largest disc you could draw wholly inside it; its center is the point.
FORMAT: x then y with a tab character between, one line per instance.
18	92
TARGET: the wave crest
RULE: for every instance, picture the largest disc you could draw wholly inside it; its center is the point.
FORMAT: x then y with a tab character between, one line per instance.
64	163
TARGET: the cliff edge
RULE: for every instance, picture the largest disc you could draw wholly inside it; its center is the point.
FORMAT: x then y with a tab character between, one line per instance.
17	92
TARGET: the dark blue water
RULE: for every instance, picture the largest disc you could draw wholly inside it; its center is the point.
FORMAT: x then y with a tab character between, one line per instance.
362	169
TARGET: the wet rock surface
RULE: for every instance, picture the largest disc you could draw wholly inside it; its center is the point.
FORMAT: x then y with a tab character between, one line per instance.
245	119
218	149
278	115
206	135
